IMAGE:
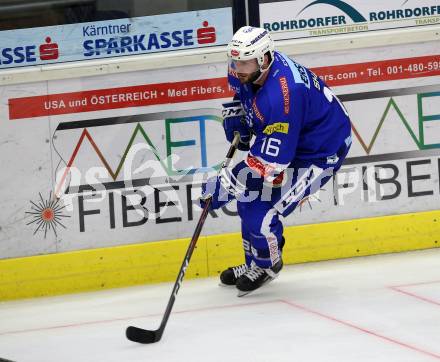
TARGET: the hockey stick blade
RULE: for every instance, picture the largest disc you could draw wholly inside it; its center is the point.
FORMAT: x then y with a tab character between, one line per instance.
5	360
144	336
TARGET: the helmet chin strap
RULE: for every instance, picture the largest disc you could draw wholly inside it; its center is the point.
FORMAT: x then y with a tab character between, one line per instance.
255	76
258	74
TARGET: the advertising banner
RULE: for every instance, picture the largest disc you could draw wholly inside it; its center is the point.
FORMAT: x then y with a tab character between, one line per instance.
306	18
114	38
119	159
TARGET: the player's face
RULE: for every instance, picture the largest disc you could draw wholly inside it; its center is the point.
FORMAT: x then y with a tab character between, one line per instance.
246	69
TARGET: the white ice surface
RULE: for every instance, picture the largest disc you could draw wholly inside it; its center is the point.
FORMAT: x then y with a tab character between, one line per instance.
382	309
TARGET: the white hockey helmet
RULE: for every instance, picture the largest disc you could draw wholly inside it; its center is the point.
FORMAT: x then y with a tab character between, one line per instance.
251	43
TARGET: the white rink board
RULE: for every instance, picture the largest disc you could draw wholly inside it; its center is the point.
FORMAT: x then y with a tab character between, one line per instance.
305	18
34	147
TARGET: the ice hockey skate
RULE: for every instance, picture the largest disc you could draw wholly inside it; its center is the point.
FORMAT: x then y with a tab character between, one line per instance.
229	277
255	277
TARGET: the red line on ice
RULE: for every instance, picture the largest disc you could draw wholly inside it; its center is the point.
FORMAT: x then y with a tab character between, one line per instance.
415	284
415	296
361	329
73	325
399	289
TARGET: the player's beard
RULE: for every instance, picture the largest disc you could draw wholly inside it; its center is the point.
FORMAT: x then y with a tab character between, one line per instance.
248	78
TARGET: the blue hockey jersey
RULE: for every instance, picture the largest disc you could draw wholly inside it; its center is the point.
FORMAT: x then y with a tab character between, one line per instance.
294	115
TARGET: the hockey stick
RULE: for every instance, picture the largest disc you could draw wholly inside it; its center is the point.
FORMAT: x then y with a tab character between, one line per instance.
145	336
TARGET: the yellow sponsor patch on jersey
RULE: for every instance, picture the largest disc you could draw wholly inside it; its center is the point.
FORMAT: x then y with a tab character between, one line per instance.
280	127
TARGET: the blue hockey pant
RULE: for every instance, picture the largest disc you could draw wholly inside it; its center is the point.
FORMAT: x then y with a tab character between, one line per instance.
261	227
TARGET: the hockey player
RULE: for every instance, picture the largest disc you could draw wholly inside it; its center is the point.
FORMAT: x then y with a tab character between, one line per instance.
302	135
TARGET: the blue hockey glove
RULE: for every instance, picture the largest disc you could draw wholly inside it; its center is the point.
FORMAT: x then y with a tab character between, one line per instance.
233	121
213	188
241	183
